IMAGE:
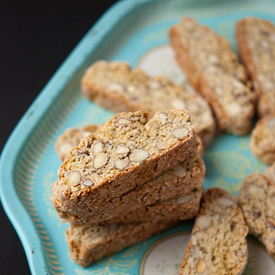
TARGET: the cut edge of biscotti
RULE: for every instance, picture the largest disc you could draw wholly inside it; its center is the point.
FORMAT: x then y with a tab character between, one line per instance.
256	199
233	117
262	142
117	87
72	137
219	212
264	106
129	150
182	179
90	243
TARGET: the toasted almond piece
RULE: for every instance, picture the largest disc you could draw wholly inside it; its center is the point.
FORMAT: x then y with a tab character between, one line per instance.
139	155
179	170
160	145
163	118
195	252
88	183
121	163
100	160
270	123
98	239
224	201
216	217
271	221
238	253
204	222
74	177
154	85
178	103
122	149
254	190
123	122
201	266
86	133
116	87
97	147
185	198
213	59
180	132
65	148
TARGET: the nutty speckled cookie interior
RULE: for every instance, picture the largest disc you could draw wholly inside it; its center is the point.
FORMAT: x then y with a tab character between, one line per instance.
114	85
213	69
218	241
257	200
256	43
262	141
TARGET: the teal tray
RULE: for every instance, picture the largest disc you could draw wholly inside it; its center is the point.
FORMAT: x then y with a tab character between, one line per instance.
135	31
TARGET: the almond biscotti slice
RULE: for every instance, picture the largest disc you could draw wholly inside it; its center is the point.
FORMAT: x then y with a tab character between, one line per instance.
257	200
180	180
262	142
218	240
256	43
117	87
89	244
213	70
129	150
270	172
182	207
72	137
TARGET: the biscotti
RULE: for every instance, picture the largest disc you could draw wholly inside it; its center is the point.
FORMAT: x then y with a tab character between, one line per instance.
257	200
183	207
262	142
89	244
270	172
72	137
180	180
213	70
256	43
218	240
129	150
118	88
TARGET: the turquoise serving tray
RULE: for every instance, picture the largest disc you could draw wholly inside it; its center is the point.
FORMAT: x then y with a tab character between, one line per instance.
135	31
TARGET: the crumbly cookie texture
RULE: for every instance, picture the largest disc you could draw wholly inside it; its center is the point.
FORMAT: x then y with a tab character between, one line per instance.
262	142
72	137
183	207
257	200
218	240
270	172
117	87
256	43
214	71
88	244
129	150
182	179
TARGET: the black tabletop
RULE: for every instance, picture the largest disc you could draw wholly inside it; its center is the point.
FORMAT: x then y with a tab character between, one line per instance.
35	38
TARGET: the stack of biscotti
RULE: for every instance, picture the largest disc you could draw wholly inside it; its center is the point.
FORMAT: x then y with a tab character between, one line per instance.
213	70
136	173
256	43
117	87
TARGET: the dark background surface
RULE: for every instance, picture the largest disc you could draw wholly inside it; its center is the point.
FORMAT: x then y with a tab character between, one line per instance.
35	38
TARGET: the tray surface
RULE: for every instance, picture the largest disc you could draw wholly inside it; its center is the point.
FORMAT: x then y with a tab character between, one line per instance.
138	34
